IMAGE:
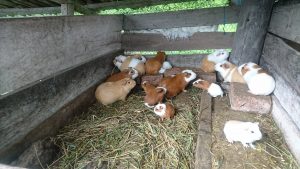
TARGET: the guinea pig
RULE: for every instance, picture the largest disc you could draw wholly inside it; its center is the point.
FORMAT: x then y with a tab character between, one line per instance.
166	65
130	73
164	111
244	132
123	62
208	63
258	80
213	89
229	72
176	84
110	92
154	94
153	65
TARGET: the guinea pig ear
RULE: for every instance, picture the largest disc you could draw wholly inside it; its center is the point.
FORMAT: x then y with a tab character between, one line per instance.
226	66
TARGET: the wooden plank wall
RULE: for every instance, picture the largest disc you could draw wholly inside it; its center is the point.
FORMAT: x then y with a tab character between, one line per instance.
281	57
70	54
32	49
134	40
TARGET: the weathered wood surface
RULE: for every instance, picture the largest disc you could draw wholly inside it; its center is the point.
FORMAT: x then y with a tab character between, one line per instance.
187	18
284	59
29	11
203	146
34	48
67	9
288	128
252	28
285	22
154	42
40	110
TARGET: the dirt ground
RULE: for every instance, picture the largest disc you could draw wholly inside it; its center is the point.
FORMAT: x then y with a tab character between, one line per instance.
271	151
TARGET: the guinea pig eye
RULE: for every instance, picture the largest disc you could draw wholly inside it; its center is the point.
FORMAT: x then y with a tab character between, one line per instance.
128	82
252	131
222	53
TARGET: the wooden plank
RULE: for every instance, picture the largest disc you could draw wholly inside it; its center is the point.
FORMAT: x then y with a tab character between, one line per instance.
288	128
252	28
29	11
187	18
203	146
67	9
131	4
285	22
35	48
154	42
284	59
40	110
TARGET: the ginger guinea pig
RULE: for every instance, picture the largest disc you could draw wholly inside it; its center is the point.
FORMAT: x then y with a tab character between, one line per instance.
110	92
154	94
244	132
136	62
176	84
153	65
258	80
164	111
213	89
229	72
128	73
208	63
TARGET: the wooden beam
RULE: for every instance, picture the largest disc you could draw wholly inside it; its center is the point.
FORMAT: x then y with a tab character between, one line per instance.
131	4
186	18
67	9
285	22
154	42
252	28
29	11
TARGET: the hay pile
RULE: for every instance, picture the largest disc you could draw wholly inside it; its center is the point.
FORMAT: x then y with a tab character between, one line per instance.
129	135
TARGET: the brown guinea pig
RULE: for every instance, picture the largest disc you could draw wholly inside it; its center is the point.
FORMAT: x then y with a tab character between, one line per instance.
130	73
110	92
153	65
154	94
176	84
164	111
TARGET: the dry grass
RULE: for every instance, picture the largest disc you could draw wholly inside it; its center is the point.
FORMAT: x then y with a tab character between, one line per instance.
129	135
271	152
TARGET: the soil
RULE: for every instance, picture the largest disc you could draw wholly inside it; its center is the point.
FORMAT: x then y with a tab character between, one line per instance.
270	152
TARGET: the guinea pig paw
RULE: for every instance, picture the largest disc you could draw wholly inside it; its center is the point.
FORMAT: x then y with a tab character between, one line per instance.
245	145
184	90
252	146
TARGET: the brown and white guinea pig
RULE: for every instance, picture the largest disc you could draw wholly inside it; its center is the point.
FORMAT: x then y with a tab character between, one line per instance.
135	61
164	111
229	72
176	84
130	73
258	80
154	94
153	65
244	132
208	63
110	92
213	89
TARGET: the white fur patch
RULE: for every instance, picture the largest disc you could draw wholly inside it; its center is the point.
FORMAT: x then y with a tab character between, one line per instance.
215	90
192	77
146	104
136	73
134	62
160	112
167	65
218	56
161	70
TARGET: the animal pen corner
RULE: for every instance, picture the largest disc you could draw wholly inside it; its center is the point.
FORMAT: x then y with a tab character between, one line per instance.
50	66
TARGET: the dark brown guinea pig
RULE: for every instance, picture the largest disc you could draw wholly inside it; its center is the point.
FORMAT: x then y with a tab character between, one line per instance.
176	84
154	94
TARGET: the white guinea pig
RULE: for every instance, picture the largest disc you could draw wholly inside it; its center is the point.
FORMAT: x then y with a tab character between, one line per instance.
258	80
208	63
244	132
229	72
212	89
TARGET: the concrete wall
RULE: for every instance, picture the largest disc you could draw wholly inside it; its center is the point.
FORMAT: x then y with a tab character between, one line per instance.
35	48
71	54
281	57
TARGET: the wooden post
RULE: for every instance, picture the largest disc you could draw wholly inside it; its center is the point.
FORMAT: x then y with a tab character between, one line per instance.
252	28
67	9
